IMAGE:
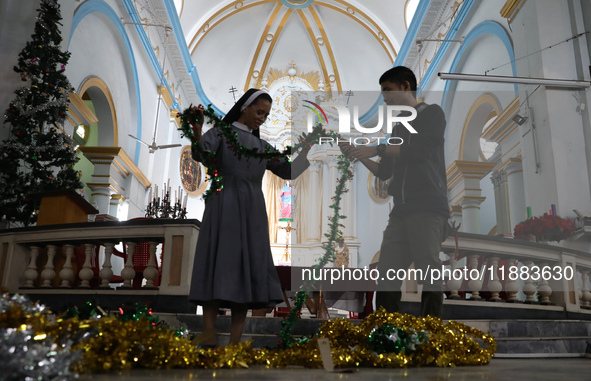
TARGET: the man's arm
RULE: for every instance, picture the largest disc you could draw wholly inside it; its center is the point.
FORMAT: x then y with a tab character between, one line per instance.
364	153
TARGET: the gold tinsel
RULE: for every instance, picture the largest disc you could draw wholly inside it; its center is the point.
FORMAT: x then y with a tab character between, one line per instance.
109	344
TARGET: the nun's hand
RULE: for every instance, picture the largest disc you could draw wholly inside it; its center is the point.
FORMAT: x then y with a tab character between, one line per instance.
305	150
196	121
346	148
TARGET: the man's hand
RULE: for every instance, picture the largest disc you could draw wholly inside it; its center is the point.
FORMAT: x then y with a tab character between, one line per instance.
346	148
359	152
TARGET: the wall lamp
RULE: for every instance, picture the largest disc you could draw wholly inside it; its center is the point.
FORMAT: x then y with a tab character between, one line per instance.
520	80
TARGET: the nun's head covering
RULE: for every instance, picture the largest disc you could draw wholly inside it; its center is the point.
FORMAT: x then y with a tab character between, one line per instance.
250	97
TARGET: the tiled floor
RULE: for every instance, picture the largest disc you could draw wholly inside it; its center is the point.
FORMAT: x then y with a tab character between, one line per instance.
499	369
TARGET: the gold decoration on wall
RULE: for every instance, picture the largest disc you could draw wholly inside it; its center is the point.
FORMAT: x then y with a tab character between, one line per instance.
311	77
511	8
192	173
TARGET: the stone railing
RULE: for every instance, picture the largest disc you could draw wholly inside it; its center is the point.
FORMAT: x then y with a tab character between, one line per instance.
59	260
516	271
56	259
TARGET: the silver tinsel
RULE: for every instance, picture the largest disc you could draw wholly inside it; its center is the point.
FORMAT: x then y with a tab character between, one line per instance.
29	356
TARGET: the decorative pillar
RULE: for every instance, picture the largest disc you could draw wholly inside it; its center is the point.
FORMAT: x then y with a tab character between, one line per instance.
112	175
330	182
494	285
48	272
66	273
511	287
515	191
498	178
471	214
116	201
456	214
529	288
315	203
463	179
106	273
31	272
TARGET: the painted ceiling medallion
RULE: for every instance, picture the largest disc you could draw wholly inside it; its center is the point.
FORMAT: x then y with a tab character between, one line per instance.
297	4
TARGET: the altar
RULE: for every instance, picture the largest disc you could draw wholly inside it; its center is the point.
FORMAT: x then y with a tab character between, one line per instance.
327	294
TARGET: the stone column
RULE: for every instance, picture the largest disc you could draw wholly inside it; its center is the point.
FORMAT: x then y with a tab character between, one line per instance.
515	192
498	178
456	214
116	201
463	178
471	214
330	184
315	203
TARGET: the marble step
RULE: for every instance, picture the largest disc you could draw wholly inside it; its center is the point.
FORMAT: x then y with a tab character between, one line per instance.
532	328
542	346
259	340
515	338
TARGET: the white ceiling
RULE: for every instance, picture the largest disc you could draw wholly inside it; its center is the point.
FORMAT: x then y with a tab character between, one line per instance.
237	43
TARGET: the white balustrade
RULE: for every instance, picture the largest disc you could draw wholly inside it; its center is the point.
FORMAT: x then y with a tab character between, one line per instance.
24	271
66	273
86	273
529	288
511	287
544	289
128	273
150	272
475	284
106	273
494	284
453	284
48	273
31	272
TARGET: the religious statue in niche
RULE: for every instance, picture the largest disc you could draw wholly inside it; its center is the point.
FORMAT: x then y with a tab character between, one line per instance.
341	255
286	202
191	173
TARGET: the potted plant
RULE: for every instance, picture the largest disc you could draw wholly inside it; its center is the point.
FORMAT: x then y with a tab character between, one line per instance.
546	228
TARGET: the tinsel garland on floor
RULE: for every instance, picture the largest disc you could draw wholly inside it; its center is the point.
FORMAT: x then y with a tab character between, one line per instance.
52	347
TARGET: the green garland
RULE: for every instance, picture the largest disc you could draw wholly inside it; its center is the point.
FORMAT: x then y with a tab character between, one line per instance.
192	119
334	235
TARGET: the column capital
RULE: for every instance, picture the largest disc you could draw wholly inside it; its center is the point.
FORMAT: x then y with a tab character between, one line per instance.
471	202
315	165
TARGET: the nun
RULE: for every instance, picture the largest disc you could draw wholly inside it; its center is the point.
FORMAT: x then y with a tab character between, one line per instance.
233	265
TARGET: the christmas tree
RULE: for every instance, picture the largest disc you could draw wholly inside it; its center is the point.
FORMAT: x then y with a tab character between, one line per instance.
37	156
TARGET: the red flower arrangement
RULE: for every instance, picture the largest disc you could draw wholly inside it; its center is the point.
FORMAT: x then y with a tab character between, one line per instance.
546	228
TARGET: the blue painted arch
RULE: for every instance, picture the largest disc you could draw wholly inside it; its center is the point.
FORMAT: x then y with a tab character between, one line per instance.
409	38
100	6
485	27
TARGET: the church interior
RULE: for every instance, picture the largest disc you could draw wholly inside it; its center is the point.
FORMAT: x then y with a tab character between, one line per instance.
511	76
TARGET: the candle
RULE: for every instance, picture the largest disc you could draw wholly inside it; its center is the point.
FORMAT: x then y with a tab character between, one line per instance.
529	212
176	197
155	190
150	196
553	209
185	202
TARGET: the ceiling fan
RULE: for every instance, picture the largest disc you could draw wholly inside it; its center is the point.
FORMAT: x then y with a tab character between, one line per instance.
155	147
